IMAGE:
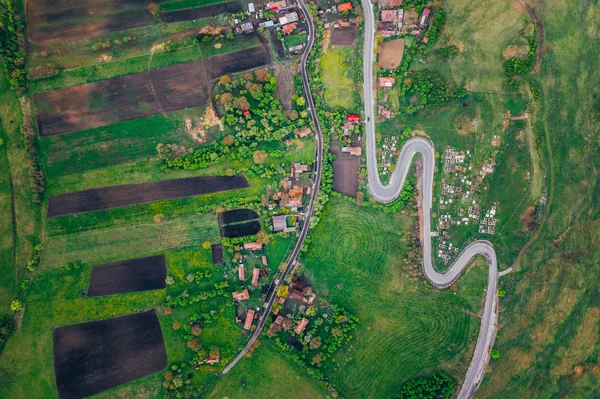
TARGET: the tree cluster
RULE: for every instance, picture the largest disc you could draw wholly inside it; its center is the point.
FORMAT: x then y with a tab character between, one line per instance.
439	386
12	44
522	66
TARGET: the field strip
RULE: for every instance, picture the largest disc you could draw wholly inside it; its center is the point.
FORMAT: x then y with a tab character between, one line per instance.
391	191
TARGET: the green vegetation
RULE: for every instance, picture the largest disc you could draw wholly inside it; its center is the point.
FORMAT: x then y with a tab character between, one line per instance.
12	43
518	66
294	40
173	5
339	87
364	260
439	386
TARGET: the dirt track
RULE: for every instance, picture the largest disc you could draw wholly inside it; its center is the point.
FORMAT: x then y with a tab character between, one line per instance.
131	194
142	94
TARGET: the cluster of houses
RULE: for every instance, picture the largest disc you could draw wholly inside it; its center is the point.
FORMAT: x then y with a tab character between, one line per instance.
305	297
353	140
460	194
395	21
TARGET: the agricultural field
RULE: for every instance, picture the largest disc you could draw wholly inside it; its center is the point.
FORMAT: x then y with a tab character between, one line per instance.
339	90
356	258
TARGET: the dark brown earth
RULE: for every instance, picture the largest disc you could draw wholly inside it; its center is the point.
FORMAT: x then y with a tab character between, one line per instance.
237	215
131	194
133	275
240	229
92	357
343	36
51	20
142	94
217	253
345	171
279	48
202	12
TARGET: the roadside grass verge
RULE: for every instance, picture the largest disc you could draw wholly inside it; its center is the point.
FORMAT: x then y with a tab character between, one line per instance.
406	328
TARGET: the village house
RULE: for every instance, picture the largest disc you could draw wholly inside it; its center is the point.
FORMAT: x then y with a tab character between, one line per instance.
356	151
255	275
249	319
264	260
299	168
297	295
279	320
211	360
289	28
267	24
353	118
425	16
387	81
410	19
390	15
384	112
276	5
247	27
253	246
251	8
297	48
301	326
240	296
288	18
383	4
241	272
287	324
345	7
305	132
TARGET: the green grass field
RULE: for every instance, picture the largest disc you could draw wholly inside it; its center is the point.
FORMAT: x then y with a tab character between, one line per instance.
172	5
336	77
406	328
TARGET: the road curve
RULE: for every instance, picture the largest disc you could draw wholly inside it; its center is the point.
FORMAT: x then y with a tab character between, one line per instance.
271	296
390	192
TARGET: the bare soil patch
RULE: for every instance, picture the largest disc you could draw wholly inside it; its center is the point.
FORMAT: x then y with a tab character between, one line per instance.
390	53
345	171
240	229
202	12
217	253
131	194
515	50
133	275
51	21
92	357
285	84
344	37
142	94
530	217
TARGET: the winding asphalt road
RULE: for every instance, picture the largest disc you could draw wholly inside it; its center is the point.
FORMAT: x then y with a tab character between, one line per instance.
271	296
487	332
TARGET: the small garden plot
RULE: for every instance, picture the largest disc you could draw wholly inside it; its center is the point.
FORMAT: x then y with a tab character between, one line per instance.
141	193
294	40
390	54
50	21
345	171
237	215
217	253
133	275
202	12
92	357
240	229
343	36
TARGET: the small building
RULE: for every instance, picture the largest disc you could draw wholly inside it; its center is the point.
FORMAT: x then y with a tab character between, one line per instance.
279	223
297	295
357	151
212	360
301	326
425	16
247	27
255	275
267	24
249	319
276	5
279	320
305	132
240	296
297	48
251	8
241	272
288	18
383	4
299	168
353	118
390	15
345	7
264	260
253	246
289	28
410	18
387	81
246	112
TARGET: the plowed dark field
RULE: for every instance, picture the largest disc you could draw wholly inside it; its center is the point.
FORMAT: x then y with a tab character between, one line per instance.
240	229
237	215
51	20
141	193
345	171
343	36
202	12
142	94
92	357
133	275
217	253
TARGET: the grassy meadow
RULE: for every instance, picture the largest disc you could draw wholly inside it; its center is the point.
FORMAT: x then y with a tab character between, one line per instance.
549	337
339	90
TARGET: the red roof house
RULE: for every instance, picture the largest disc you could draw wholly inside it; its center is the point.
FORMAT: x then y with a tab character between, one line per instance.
253	246
255	274
240	296
424	16
287	29
249	319
353	118
345	7
301	326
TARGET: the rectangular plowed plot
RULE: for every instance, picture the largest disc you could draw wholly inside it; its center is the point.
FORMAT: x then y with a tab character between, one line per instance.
50	20
217	253
92	357
133	275
142	94
131	194
201	12
240	229
237	215
345	171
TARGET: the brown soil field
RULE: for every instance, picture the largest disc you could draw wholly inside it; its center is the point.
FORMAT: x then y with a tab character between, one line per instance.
217	253
132	275
285	84
131	194
92	357
202	12
345	171
50	20
279	48
142	94
390	54
343	36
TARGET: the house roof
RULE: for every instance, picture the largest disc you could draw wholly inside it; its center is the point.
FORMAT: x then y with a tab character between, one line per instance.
410	16
389	15
279	223
353	118
255	274
253	246
353	150
240	296
345	6
287	29
299	167
276	5
303	132
426	12
249	319
241	272
301	326
386	81
279	319
264	260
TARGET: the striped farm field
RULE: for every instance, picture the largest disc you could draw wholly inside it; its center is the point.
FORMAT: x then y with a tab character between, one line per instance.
406	328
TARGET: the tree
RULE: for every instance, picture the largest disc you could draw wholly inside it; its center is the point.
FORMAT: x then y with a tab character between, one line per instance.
495	353
262	75
282	291
242	103
300	101
229	36
16	305
206	39
260	156
315	343
224	80
228	140
311	311
206	245
262	237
